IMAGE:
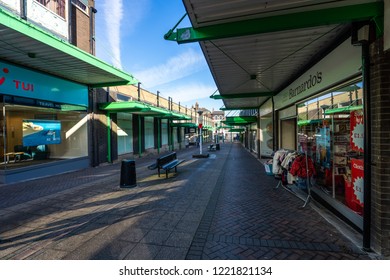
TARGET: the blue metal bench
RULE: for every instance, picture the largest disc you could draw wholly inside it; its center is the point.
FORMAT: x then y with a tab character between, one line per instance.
166	162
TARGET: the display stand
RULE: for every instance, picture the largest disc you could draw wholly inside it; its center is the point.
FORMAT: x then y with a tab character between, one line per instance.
308	198
279	184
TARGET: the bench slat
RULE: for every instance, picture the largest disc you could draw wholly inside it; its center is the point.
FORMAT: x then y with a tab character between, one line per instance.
171	165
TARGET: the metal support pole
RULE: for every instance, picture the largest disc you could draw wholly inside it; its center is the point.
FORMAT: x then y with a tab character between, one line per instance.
158	135
139	137
109	137
200	140
308	198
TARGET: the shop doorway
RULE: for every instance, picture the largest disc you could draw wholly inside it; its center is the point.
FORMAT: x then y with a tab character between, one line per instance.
288	134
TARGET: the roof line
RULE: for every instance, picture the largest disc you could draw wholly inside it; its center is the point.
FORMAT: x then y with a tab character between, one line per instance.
346	14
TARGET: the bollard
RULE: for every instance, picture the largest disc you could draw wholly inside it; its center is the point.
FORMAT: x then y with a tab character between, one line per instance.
217	147
128	174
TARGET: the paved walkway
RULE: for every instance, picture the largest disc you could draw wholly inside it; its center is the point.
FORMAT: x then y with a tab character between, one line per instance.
221	207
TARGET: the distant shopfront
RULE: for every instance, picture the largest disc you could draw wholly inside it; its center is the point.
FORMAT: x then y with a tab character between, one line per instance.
43	124
321	115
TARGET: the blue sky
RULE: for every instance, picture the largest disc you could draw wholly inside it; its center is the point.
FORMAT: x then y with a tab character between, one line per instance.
129	35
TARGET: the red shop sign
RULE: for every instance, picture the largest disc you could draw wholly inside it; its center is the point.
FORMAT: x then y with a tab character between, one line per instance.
357	131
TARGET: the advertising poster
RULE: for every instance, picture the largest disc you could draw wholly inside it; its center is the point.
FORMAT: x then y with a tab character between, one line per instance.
323	146
41	132
357	173
357	131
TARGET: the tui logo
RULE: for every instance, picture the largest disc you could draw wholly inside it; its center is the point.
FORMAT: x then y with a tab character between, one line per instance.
2	79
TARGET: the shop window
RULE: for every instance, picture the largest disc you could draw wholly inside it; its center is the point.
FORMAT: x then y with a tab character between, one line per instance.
331	132
33	135
82	4
125	133
57	7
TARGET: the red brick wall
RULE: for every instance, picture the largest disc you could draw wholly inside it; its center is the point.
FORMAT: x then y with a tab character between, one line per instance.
380	151
80	26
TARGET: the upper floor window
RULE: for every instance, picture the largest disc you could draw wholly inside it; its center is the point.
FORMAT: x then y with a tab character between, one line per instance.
56	6
82	4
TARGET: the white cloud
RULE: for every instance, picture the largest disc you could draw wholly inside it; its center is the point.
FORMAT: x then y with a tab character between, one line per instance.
178	67
113	14
117	24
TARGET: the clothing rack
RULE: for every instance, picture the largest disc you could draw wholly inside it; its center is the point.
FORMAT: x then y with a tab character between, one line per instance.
306	166
308	198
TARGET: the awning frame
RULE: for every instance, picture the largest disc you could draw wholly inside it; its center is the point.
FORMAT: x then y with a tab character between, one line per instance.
15	25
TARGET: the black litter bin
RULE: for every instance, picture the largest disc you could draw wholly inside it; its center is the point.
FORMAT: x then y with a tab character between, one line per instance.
128	174
217	147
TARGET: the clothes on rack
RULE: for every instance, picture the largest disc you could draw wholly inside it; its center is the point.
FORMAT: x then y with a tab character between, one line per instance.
288	160
277	160
299	168
282	161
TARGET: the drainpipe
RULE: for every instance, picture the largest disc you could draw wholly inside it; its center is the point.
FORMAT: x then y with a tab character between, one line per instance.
92	12
367	147
139	91
23	11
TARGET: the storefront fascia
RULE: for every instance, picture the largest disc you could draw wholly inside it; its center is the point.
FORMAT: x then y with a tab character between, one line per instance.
327	75
44	124
141	109
44	89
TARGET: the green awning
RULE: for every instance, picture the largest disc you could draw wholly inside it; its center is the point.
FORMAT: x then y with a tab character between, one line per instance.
139	108
275	23
343	110
28	45
243	120
177	116
308	122
186	124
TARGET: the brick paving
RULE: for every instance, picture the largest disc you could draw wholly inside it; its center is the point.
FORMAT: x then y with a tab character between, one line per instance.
221	207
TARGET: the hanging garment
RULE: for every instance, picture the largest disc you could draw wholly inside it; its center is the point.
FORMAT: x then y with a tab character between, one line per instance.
277	160
299	169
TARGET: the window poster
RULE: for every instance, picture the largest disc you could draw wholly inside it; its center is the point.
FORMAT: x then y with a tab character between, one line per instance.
41	132
357	131
323	146
357	173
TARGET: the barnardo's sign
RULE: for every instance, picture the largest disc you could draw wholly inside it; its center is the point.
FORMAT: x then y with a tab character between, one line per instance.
22	82
342	63
311	82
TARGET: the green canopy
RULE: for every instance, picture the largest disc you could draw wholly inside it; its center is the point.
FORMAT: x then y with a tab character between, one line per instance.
186	124
243	120
139	108
343	110
307	122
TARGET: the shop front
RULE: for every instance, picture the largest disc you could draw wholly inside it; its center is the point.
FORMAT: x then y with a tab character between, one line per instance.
320	116
43	124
